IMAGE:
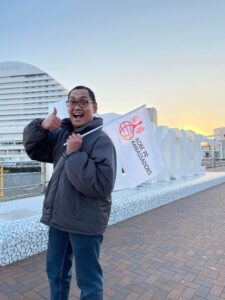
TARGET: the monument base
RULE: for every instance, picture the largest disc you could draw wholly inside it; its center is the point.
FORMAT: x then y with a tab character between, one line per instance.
22	234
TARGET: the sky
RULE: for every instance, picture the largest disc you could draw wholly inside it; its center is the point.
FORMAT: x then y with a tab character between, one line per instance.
167	54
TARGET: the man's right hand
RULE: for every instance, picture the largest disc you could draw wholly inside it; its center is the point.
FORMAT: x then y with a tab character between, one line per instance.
52	121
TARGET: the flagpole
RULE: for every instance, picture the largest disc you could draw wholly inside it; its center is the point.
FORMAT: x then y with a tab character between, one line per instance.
116	119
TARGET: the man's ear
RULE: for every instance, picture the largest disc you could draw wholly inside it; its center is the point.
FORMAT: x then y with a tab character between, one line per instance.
95	107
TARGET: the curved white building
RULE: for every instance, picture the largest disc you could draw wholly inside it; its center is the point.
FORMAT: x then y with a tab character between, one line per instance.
25	93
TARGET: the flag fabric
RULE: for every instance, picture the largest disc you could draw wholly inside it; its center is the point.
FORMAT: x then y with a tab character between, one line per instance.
136	146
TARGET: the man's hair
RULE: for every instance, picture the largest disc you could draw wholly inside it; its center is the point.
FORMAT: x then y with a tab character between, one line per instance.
81	87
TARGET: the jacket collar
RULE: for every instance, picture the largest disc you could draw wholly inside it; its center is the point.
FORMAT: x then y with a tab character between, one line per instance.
67	125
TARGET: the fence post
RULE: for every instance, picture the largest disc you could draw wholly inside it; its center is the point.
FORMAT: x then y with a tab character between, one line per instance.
43	177
1	181
214	157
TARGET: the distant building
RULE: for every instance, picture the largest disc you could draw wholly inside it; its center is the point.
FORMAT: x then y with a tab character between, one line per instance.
153	115
219	134
25	93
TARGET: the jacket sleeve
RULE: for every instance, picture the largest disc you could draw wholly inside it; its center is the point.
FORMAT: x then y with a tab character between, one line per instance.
36	142
93	176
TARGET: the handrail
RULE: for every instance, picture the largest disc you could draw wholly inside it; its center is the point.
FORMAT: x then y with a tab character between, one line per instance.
22	186
18	173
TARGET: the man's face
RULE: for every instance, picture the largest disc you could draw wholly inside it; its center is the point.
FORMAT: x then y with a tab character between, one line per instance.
80	114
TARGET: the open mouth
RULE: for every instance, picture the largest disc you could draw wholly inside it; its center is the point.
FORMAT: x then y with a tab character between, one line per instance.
78	116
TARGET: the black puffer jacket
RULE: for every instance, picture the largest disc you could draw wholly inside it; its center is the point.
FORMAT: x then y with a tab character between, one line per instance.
78	197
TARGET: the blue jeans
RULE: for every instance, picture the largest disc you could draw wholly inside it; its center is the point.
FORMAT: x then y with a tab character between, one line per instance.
62	247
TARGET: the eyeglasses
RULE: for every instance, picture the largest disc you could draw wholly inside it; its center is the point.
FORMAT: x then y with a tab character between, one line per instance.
82	103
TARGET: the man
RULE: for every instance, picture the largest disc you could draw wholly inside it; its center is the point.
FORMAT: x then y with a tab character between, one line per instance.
78	198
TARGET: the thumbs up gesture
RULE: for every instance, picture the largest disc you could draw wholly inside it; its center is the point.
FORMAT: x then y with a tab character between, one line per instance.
52	121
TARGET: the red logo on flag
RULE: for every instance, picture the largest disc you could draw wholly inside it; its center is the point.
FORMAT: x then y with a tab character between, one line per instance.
127	129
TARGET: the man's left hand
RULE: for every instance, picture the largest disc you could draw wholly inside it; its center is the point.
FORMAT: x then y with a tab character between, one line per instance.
74	143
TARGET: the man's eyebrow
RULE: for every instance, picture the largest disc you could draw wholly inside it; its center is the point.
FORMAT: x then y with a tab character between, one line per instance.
82	97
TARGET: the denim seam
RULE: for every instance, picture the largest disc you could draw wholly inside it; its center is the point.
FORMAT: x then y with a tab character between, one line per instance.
61	271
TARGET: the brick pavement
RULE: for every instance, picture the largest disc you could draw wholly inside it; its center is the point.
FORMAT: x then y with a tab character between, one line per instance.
176	251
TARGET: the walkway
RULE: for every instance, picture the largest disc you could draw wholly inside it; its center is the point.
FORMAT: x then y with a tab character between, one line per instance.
176	251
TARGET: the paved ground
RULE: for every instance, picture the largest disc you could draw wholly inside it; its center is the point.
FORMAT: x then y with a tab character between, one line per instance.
176	251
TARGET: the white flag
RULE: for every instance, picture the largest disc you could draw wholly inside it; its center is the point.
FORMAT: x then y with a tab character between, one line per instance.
136	146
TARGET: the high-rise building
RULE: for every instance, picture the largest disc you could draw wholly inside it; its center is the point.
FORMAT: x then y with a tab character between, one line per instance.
25	93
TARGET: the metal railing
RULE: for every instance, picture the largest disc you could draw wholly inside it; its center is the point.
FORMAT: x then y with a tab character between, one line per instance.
212	162
16	182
